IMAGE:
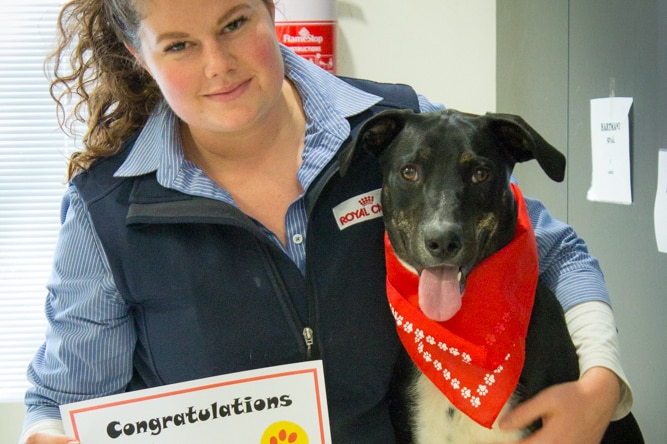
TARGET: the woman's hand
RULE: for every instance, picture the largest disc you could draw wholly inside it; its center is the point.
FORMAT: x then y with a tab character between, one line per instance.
572	413
44	438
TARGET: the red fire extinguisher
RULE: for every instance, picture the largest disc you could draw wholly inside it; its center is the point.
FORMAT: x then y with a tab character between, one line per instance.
309	28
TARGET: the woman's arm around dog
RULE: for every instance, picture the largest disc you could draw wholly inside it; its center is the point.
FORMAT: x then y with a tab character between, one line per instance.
572	413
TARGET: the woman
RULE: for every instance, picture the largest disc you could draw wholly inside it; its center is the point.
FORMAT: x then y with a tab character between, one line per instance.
208	173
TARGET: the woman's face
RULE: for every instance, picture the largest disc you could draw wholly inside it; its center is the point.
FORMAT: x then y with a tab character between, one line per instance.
217	62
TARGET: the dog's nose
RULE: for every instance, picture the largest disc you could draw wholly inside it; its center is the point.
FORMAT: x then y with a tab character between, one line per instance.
444	242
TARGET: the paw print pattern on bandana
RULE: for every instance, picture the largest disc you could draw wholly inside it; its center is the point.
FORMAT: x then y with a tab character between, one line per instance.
438	353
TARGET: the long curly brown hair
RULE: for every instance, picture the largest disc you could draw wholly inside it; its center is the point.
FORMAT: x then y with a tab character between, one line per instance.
93	71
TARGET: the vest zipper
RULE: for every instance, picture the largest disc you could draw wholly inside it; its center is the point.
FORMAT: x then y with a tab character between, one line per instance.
308	337
307	332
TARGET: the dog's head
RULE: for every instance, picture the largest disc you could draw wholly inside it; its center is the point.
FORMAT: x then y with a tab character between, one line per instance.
446	197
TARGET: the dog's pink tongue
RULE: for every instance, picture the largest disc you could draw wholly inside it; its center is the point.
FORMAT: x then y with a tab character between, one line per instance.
439	292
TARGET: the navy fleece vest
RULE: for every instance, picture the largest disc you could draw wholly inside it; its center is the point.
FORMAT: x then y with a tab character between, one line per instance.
211	295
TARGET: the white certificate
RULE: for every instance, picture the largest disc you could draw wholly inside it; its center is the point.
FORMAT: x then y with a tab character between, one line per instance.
283	404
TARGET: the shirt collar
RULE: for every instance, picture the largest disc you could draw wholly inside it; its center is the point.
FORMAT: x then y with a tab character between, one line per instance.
327	100
158	147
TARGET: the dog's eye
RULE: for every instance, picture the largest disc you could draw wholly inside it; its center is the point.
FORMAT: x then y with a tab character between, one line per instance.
480	175
409	172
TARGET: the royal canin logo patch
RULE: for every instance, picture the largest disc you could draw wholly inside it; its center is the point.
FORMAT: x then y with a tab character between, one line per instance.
358	209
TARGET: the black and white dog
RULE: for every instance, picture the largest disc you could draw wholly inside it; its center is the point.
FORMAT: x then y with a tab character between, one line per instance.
447	203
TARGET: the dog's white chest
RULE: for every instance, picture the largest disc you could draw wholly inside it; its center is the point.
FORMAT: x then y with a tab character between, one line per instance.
438	422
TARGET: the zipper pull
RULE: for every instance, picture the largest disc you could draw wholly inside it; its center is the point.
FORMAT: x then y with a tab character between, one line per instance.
308	338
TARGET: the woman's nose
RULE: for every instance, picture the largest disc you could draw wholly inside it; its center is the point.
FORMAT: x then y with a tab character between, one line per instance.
218	59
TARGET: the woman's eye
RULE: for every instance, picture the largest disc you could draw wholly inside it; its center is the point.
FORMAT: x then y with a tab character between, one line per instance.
409	172
236	24
480	175
176	47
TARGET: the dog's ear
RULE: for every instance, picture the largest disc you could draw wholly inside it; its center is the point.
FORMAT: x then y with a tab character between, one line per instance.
524	143
374	136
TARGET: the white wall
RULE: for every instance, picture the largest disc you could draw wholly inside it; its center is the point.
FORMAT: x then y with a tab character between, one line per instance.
445	49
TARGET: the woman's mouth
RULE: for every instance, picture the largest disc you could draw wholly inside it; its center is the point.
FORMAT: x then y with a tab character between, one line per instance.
228	93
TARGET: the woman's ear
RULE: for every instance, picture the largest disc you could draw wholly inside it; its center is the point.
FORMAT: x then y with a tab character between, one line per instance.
137	58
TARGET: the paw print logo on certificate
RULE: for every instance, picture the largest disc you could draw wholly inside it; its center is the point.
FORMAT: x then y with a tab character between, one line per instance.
284	432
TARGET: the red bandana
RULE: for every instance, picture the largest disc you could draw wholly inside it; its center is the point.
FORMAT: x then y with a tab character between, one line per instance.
476	357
